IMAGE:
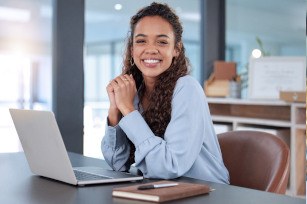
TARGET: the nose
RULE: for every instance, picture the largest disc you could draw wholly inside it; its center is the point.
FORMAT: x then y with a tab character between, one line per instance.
150	49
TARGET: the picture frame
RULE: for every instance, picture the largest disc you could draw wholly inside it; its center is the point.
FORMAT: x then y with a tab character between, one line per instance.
270	75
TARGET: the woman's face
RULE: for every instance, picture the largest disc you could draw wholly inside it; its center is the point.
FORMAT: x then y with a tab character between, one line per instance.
153	46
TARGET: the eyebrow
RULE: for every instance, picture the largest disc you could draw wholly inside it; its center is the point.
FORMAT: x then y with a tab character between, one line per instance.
159	36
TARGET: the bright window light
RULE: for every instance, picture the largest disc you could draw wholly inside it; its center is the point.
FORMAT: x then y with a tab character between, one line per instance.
118	7
14	14
256	53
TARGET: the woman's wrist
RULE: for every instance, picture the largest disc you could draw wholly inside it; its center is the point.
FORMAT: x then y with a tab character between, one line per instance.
114	116
125	111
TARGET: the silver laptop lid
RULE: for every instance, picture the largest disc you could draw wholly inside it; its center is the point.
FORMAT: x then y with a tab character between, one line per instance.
43	144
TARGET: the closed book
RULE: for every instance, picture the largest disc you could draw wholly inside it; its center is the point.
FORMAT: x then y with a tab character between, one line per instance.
182	190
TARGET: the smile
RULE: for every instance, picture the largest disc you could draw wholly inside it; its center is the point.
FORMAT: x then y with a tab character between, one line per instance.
151	61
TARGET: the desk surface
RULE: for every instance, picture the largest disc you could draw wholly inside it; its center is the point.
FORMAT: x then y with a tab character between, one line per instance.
19	185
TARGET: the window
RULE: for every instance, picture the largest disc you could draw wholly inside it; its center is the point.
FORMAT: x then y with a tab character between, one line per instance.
25	62
279	25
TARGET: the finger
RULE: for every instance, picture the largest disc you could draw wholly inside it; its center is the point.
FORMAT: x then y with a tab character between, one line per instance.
124	78
109	88
114	84
119	80
130	78
122	81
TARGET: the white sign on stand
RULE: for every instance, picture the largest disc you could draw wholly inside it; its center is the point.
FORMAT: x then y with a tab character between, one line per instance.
270	75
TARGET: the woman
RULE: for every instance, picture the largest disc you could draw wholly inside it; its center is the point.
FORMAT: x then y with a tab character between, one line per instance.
158	115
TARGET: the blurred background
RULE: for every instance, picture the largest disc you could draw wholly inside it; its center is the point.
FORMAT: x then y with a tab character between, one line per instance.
26	50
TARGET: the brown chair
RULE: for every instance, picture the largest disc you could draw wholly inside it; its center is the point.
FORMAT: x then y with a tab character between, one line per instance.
256	160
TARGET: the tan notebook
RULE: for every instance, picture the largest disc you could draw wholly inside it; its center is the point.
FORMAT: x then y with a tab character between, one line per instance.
182	190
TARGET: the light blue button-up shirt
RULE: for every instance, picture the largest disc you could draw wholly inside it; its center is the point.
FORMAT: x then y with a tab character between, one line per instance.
190	147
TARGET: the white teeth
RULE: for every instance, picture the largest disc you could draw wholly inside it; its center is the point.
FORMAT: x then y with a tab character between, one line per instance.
151	61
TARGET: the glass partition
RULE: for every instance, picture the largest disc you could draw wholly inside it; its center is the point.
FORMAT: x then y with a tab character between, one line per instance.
274	28
25	62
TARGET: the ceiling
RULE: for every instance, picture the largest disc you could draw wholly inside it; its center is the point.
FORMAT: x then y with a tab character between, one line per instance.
281	21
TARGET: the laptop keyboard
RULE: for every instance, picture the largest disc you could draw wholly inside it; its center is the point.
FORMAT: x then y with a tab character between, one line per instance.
84	176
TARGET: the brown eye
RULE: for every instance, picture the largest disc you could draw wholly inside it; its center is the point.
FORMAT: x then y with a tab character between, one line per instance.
139	41
162	42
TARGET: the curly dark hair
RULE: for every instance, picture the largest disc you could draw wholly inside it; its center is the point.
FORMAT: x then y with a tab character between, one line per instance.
158	113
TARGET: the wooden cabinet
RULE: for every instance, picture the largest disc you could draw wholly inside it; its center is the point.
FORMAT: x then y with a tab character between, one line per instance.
289	118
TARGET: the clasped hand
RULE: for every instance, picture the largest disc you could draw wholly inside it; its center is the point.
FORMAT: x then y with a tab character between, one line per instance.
121	91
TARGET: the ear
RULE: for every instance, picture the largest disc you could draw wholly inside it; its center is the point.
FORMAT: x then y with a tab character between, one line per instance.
177	49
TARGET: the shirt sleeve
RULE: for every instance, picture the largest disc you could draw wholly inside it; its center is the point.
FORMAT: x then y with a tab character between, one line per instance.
174	155
116	148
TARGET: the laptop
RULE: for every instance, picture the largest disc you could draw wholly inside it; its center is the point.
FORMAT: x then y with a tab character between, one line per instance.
46	154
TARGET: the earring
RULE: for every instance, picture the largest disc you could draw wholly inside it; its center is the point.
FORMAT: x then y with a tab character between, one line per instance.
131	61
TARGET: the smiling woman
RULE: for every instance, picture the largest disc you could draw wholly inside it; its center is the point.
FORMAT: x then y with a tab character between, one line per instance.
152	119
105	34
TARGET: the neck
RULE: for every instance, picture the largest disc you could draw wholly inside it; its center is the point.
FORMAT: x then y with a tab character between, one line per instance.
149	85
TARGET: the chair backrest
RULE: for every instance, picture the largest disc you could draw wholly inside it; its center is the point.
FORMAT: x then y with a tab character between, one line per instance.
256	160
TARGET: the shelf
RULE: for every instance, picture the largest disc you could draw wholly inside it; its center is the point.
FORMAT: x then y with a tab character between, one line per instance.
276	115
252	121
247	102
301	127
